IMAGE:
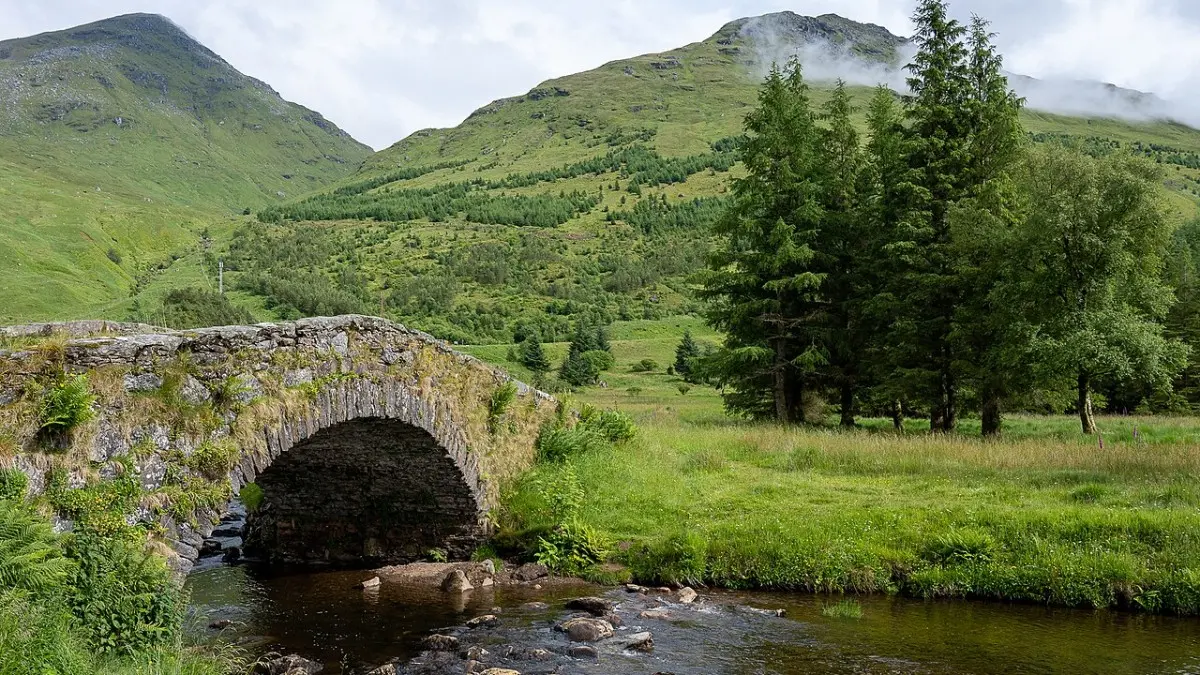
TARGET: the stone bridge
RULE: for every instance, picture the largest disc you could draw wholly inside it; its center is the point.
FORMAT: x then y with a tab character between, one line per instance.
369	443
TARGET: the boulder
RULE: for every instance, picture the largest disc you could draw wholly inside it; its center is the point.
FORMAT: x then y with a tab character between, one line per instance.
687	596
535	606
639	642
220	624
232	554
373	582
531	572
456	582
634	588
582	652
614	619
592	605
586	629
655	614
485	621
500	671
440	643
292	664
210	548
386	669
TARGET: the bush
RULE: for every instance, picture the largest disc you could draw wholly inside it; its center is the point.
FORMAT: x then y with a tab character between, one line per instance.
13	483
614	426
600	360
645	366
499	403
30	557
251	496
572	548
66	404
122	594
114	255
557	444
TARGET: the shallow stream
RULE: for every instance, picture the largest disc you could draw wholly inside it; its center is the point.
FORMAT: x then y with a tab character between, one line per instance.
326	617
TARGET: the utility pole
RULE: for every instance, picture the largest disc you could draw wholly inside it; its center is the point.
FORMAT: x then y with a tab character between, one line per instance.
221	277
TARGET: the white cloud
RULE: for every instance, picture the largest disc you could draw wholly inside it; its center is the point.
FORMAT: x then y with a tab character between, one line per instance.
384	68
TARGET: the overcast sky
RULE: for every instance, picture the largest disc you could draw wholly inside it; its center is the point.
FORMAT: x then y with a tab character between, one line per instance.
382	69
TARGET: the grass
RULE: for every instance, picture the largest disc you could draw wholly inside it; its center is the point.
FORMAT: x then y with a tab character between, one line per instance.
845	609
1043	514
1050	521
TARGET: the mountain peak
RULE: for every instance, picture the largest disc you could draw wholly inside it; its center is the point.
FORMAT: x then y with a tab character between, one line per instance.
770	32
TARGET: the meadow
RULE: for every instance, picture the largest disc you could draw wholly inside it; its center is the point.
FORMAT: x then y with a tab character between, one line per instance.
1042	514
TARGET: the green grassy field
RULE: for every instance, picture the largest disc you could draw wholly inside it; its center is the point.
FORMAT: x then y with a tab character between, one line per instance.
1042	515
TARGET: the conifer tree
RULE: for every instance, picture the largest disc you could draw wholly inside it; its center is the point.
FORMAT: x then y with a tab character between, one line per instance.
533	355
685	351
843	252
762	284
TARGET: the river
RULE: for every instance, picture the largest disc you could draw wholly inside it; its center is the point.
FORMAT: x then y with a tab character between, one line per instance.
324	616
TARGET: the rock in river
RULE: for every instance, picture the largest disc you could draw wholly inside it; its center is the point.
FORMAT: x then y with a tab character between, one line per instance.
591	605
586	629
456	582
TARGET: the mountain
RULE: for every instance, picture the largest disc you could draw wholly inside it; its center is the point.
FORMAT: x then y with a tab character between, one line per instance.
120	141
588	197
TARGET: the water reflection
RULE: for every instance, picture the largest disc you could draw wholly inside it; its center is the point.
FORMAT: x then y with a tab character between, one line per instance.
327	617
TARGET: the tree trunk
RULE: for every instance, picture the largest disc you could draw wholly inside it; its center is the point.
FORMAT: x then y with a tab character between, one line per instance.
950	415
847	405
898	415
936	417
1086	418
782	407
991	414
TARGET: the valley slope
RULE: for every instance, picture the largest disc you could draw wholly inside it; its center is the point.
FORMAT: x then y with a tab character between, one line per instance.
120	142
589	196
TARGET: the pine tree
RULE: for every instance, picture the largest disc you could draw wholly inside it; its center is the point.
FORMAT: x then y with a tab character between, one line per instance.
533	355
842	249
761	284
684	353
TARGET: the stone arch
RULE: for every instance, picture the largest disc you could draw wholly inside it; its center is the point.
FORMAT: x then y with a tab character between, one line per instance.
419	486
266	395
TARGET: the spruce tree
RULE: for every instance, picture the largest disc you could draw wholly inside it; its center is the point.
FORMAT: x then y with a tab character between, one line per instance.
939	119
533	355
761	284
843	252
685	351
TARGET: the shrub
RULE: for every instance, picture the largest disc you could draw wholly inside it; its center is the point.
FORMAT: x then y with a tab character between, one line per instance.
600	360
614	426
572	548
684	389
499	403
122	594
114	255
251	495
556	444
645	366
13	483
66	404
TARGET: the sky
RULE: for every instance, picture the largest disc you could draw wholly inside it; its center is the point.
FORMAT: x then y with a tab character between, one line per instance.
382	69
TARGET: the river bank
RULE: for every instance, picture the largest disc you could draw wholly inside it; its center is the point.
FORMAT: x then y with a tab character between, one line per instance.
1038	519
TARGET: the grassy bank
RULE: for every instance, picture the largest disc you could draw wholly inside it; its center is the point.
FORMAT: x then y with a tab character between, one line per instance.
1038	517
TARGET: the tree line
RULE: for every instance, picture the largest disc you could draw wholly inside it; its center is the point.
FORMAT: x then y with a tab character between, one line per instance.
942	263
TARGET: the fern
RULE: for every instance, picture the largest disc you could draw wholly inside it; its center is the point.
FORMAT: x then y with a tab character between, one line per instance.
30	556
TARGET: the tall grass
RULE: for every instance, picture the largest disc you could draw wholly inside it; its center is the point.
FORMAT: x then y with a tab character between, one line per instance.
1050	520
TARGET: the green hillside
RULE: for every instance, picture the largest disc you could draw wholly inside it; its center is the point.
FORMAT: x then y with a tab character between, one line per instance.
128	136
587	197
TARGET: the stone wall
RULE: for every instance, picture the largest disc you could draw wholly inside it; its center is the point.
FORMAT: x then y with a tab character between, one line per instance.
372	442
